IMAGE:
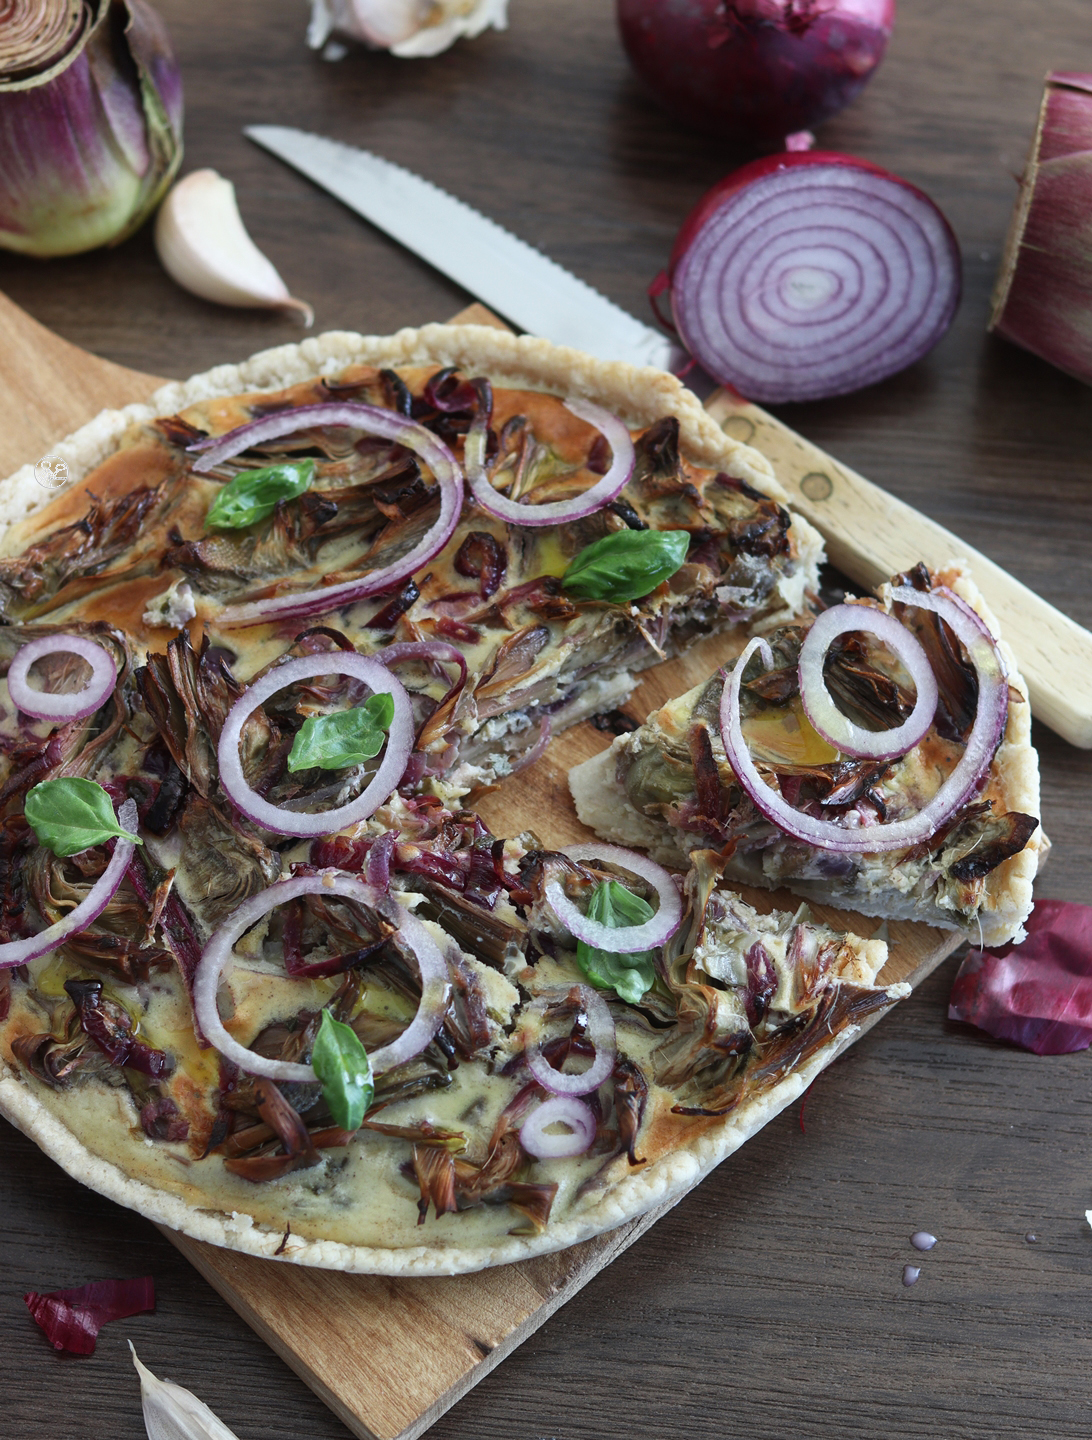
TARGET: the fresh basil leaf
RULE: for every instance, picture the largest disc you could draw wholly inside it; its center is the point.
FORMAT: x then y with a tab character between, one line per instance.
629	976
342	1065
253	494
626	565
71	814
343	739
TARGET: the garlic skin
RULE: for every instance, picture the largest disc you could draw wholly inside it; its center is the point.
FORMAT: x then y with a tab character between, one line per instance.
410	29
203	245
172	1413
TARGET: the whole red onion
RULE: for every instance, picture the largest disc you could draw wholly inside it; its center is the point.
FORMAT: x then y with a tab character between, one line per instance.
755	71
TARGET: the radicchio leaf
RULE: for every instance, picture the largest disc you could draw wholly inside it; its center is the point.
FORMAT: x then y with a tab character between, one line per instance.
1037	995
72	1319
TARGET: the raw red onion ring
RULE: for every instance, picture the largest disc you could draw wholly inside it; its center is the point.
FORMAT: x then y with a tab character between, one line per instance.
600	1033
626	939
961	784
373	420
567	1110
45	705
391	767
18	952
435	981
812	274
518	512
837	729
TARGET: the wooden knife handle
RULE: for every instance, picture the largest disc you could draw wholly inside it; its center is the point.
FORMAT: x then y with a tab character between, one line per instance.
871	535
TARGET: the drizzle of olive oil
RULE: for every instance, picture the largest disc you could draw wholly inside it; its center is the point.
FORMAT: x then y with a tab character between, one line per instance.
784	735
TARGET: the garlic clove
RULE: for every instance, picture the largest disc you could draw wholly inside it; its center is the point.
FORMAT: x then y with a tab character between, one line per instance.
172	1413
408	28
203	245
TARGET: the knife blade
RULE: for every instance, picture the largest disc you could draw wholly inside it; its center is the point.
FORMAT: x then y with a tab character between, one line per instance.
510	276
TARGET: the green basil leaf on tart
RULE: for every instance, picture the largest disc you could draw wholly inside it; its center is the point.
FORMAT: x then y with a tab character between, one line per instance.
626	565
342	1065
71	814
343	739
629	976
255	494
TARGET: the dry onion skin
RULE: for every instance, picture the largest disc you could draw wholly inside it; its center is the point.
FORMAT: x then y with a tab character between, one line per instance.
1043	297
90	122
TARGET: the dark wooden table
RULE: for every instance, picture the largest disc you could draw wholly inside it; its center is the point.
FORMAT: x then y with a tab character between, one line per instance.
770	1303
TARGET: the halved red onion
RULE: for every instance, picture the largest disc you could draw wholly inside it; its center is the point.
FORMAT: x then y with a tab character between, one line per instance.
564	1110
837	729
961	784
518	512
324	822
600	1033
626	939
372	420
44	704
810	274
18	952
435	980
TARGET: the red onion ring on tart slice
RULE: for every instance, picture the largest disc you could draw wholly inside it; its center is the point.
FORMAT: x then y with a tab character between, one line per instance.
19	952
957	789
626	939
435	981
324	822
47	705
837	729
372	420
518	512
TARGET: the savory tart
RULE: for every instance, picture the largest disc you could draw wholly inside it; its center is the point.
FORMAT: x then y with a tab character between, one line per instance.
261	977
877	757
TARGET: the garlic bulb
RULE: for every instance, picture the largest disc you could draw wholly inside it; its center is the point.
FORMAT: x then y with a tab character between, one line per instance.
407	28
172	1413
203	244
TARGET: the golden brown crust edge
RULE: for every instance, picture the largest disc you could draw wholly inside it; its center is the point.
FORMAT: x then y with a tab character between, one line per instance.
1016	771
640	394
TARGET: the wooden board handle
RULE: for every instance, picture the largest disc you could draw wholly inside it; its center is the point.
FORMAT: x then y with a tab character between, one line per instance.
871	535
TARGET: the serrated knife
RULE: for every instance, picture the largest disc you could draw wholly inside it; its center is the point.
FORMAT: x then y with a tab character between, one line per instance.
510	276
870	533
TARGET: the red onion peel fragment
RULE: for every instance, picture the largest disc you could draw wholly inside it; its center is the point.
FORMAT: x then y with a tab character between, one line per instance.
72	1319
370	420
435	981
811	274
391	768
754	71
818	702
1043	297
956	790
48	705
19	952
626	939
518	512
601	1033
1037	994
564	1110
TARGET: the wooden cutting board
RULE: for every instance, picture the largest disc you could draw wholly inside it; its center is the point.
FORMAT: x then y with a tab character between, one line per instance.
390	1356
